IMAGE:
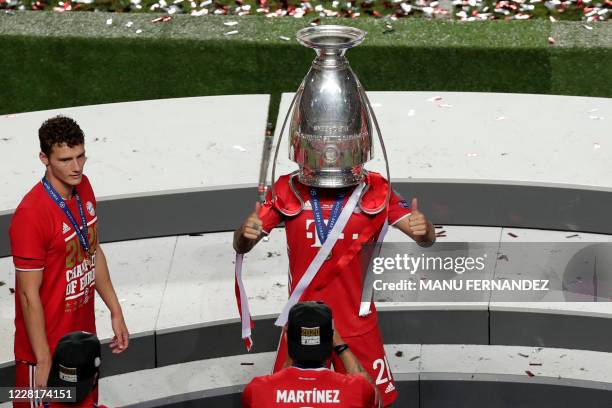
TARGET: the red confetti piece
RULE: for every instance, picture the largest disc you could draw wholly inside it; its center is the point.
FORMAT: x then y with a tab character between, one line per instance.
512	235
551	40
572	236
529	373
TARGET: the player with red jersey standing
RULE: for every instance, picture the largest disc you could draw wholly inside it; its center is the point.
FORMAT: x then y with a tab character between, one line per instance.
307	382
57	257
310	214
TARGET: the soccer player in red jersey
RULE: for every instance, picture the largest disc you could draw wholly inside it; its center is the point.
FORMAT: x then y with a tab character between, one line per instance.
57	257
338	282
307	382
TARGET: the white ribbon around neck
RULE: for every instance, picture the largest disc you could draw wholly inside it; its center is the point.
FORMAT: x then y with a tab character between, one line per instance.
322	254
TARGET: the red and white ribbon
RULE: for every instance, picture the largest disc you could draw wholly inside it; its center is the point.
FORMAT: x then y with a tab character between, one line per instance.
243	304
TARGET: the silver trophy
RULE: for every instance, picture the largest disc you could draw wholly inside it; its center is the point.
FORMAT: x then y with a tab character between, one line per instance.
330	136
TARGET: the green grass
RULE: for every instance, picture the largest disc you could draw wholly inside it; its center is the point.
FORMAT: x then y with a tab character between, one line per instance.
52	60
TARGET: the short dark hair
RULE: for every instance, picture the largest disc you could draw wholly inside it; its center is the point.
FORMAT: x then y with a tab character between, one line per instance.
59	130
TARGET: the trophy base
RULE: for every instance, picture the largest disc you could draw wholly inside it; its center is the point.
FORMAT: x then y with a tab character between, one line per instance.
331	179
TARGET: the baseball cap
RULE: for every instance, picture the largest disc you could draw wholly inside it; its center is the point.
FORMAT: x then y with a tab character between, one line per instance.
76	362
310	331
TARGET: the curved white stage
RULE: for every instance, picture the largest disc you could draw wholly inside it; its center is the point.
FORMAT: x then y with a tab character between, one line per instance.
146	146
458	149
182	283
514	138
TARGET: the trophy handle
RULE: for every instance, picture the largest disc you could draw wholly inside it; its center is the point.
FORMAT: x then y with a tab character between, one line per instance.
280	137
380	138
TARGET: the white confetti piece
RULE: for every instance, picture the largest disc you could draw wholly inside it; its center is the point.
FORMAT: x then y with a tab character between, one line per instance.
411	112
230	23
282	37
587	27
472	154
552	19
231	33
138	31
376	105
435	99
129	24
445	105
595	117
240	148
109	21
596	146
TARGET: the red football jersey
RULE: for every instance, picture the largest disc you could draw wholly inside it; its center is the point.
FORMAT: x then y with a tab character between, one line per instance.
42	237
296	388
342	294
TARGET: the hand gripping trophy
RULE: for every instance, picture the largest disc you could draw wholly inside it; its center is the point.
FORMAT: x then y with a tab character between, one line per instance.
331	206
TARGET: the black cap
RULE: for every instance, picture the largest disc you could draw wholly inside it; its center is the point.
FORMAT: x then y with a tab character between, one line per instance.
76	363
310	332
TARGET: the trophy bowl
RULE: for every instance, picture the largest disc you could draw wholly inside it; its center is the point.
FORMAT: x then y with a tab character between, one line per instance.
330	36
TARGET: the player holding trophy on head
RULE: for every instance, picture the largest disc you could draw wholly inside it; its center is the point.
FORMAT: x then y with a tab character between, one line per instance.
331	206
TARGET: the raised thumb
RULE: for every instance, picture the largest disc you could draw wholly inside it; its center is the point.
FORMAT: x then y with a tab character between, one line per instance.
415	205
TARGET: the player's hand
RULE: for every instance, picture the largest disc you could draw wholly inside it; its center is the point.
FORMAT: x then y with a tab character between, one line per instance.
251	228
42	374
417	221
121	339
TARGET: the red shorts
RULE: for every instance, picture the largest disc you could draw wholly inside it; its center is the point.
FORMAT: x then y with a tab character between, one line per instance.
369	350
24	378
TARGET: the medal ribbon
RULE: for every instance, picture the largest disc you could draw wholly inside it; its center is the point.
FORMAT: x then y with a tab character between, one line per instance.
322	229
246	322
81	232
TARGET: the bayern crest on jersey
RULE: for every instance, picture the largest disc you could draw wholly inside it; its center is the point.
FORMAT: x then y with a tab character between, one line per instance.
90	208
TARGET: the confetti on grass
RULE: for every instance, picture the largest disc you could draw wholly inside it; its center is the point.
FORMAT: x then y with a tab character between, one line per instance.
586	11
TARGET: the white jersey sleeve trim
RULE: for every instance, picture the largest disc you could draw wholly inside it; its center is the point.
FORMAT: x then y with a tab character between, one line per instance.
401	218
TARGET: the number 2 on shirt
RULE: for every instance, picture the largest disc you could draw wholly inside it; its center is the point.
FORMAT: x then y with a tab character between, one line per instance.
382	365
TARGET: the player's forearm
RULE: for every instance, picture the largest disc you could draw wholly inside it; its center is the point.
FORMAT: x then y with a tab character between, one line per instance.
104	285
34	319
352	365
